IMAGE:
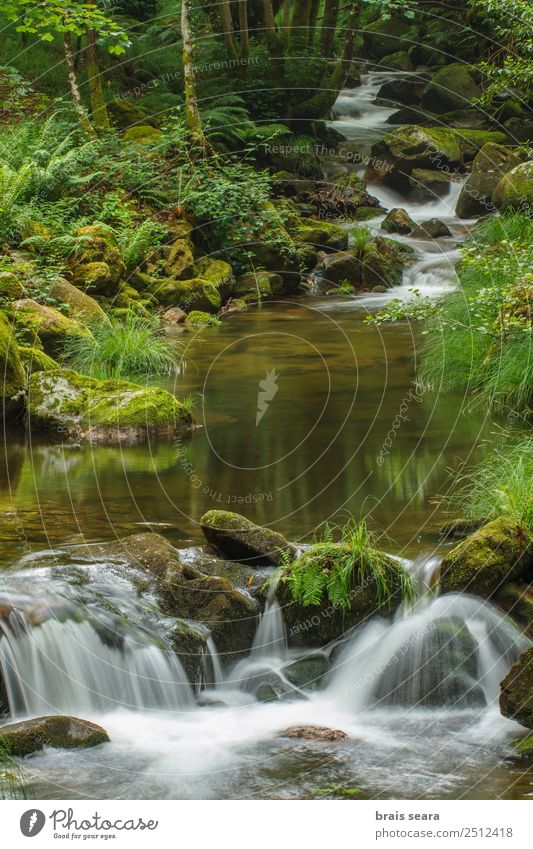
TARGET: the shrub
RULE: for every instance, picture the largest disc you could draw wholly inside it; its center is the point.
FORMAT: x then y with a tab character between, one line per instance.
133	347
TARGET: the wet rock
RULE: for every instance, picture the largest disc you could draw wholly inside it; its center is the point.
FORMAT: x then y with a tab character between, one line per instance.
313	732
308	673
13	376
523	747
383	262
491	163
516	690
398	61
173	316
59	732
408	92
383	37
340	268
73	406
318	624
515	189
398	221
460	528
259	285
322	235
190	644
427	184
498	553
517	600
432	229
240	539
451	87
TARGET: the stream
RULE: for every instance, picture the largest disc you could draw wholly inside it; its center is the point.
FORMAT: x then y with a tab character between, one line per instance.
417	696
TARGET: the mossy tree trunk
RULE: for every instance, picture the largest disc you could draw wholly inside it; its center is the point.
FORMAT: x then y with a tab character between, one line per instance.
329	27
226	21
313	15
300	24
193	118
274	42
74	87
96	90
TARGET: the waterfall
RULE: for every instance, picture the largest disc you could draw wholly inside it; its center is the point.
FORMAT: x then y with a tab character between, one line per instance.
451	651
270	639
66	667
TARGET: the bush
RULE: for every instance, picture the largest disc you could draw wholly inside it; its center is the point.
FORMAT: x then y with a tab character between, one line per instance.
133	347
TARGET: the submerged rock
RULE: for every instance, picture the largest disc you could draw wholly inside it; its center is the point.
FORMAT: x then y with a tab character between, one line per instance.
240	539
73	406
308	673
313	732
500	552
516	690
60	732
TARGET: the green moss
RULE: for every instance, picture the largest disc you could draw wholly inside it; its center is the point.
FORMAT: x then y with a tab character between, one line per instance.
523	747
321	234
141	134
180	260
60	732
81	306
485	561
106	410
11	289
197	318
99	266
39	323
452	87
398	61
239	538
35	360
515	189
13	377
383	37
516	690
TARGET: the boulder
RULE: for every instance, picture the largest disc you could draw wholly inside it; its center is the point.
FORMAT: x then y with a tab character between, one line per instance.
384	37
515	189
258	285
11	289
319	624
142	134
173	316
59	732
398	61
240	539
80	305
98	267
516	690
432	229
179	263
323	235
33	359
383	262
498	553
517	601
187	294
398	221
342	267
451	87
308	673
189	642
427	184
490	164
75	407
44	326
11	370
313	732
407	92
183	591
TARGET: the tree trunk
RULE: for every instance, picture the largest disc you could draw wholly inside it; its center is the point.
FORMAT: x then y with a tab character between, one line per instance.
245	37
193	119
274	44
329	27
300	24
318	106
313	15
74	88
96	89
227	28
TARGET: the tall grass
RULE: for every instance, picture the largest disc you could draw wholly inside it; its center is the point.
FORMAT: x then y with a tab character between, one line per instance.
133	347
12	782
502	485
480	339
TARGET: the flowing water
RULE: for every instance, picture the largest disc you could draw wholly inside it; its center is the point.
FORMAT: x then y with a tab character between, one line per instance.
345	430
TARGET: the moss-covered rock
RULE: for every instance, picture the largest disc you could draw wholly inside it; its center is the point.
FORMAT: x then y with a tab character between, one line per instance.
515	189
451	87
11	289
60	732
516	690
523	747
490	164
472	141
323	235
500	552
258	285
219	275
189	641
33	359
342	267
99	266
398	221
307	673
398	61
197	318
193	294
319	624
240	539
80	305
427	184
73	406
142	134
434	228
11	369
517	601
384	37
383	262
405	92
180	258
125	113
44	326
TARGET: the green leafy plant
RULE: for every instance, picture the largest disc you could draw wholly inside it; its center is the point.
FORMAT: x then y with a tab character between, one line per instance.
133	347
12	780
